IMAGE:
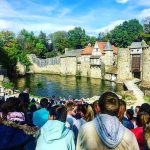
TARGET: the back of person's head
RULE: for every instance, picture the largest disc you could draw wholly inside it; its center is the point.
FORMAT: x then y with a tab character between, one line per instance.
44	103
70	105
145	107
89	114
109	103
58	113
122	109
130	113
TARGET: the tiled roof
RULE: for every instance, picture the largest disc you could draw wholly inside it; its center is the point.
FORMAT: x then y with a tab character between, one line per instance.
135	45
102	45
87	50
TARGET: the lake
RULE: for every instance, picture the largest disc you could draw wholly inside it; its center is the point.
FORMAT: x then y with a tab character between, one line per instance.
64	86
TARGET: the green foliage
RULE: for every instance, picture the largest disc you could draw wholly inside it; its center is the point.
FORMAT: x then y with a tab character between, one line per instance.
51	54
147	98
146	33
60	41
77	38
124	34
8	85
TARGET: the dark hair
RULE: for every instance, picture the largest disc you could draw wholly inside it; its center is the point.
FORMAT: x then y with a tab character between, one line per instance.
122	109
59	112
44	103
109	103
145	107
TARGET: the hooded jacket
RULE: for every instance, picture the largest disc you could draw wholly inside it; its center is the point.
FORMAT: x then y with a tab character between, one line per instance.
15	139
55	136
106	132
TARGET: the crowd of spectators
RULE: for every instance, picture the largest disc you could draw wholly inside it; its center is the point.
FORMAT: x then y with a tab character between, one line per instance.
69	124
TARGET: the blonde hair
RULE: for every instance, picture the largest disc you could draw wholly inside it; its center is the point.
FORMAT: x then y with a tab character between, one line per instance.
89	115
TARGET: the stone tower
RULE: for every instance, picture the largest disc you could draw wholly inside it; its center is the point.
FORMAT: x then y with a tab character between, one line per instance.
108	57
146	63
123	65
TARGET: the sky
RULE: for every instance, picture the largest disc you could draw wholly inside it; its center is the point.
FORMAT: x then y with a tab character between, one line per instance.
62	15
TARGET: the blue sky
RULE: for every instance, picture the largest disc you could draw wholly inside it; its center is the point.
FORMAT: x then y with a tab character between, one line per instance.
57	15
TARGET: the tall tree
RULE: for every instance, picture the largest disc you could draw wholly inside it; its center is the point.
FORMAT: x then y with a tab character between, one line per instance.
77	38
59	41
126	33
146	33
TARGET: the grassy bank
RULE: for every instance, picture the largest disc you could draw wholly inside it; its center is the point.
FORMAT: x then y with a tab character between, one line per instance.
147	99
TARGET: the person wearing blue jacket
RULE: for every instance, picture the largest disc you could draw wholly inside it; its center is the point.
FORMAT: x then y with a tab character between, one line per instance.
53	134
40	116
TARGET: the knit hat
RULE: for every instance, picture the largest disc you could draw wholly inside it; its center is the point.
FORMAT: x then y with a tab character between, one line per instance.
16	116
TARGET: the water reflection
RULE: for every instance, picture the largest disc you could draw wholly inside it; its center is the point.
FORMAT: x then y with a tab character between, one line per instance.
64	86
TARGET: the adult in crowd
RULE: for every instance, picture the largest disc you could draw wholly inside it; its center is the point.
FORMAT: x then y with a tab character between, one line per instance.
106	131
141	121
40	116
71	122
54	135
14	135
127	121
25	98
12	110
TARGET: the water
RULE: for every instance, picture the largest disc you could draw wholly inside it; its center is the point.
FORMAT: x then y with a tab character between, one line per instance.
63	86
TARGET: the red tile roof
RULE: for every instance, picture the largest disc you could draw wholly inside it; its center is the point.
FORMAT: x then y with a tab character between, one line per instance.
88	50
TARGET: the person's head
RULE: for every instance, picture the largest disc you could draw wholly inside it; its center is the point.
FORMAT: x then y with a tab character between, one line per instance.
71	108
122	109
58	113
109	103
26	90
44	103
86	111
145	107
96	107
137	109
130	113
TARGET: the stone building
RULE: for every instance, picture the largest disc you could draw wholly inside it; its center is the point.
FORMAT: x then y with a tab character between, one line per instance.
136	50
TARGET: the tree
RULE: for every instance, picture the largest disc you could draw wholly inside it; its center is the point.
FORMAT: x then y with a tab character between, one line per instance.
126	33
146	33
92	40
59	41
9	50
77	38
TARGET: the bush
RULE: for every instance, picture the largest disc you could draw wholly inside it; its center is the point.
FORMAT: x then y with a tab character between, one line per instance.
8	85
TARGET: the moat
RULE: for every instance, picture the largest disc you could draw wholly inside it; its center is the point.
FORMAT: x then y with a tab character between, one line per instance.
63	86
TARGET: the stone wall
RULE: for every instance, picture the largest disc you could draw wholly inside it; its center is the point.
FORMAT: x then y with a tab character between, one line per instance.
20	68
95	72
68	65
146	65
84	69
123	65
51	66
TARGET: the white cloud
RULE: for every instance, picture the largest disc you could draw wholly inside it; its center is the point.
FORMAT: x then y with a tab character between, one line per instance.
122	1
4	24
144	13
109	27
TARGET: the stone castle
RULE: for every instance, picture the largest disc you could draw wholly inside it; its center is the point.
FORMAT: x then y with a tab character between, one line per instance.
103	60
